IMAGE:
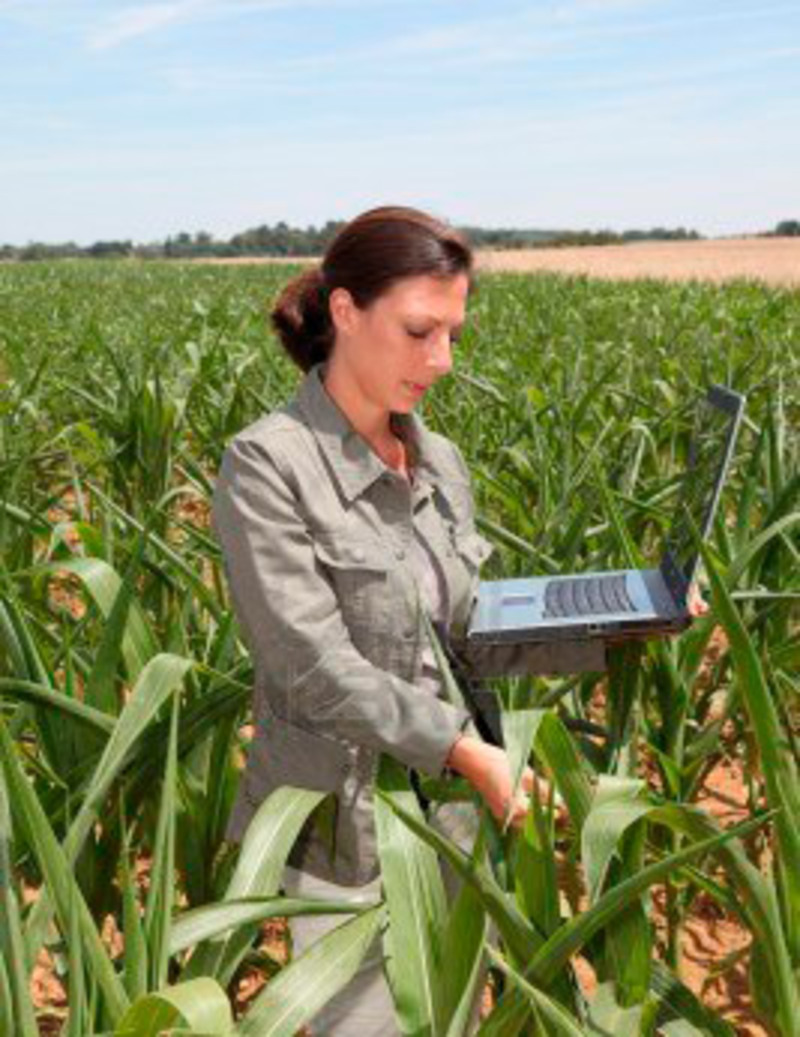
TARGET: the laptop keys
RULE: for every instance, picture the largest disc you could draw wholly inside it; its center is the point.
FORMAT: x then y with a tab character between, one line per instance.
587	596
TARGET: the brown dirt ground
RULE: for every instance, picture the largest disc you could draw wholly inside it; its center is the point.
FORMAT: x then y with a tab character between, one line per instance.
772	260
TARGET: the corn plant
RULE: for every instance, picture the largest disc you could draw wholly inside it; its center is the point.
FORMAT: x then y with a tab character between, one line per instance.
125	685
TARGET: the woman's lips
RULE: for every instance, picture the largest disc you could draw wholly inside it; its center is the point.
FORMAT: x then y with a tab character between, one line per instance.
417	388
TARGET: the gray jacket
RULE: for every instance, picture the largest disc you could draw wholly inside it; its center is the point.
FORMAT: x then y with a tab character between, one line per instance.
316	533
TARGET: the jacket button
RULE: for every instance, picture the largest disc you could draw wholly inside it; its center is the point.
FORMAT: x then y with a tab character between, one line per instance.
408	634
358	555
400	553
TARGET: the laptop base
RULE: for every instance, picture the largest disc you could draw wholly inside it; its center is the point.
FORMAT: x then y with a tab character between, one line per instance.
519	659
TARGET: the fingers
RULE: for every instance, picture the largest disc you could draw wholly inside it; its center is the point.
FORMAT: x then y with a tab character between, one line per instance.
517	811
696	604
493	780
518	808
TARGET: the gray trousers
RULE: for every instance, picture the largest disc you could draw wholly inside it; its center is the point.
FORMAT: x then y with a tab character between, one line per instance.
364	1008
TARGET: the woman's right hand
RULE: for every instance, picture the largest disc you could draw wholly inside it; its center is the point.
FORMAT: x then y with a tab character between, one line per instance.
486	768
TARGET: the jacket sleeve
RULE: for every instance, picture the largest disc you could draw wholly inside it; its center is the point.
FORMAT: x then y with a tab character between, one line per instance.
312	672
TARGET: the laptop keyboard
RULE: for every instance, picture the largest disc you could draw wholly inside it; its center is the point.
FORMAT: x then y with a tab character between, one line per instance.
586	596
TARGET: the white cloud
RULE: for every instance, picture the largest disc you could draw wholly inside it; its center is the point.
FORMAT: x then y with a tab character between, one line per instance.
141	20
530	32
147	18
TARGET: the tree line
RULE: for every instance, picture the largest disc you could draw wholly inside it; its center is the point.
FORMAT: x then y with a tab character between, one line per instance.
282	240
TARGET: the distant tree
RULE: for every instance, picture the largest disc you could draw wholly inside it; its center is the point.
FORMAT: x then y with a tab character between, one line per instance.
109	249
285	240
788	229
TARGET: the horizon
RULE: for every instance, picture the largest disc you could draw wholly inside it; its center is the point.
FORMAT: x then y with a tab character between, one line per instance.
546	234
138	121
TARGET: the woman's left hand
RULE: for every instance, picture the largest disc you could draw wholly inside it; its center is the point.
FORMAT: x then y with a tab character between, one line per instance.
695	603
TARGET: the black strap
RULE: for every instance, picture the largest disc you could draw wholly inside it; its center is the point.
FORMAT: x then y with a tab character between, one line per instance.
480	699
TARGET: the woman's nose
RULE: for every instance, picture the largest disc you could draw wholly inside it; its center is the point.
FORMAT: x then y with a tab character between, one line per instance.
440	355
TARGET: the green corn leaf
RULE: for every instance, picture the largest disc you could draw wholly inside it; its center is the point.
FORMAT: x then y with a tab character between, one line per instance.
18	636
618	803
268	841
169	554
16	1007
607	1016
78	1017
630	553
416	907
99	690
157	681
680	1006
628	937
520	727
161	894
535	875
198	1006
7	1023
511	1015
450	685
555	1020
556	747
463	973
779	765
135	965
107	588
59	883
748	555
296	994
212	920
569	939
516	930
52	699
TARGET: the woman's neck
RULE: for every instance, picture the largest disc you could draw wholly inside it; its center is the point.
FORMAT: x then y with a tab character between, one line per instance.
372	423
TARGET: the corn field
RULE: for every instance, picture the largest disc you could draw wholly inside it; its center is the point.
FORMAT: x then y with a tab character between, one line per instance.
125	686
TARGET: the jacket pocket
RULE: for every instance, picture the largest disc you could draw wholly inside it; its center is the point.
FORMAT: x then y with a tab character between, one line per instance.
358	571
285	754
474	549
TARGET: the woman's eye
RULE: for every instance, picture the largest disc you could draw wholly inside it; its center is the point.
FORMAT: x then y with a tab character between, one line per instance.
420	335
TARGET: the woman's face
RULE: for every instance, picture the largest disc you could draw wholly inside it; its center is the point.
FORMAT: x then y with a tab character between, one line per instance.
397	347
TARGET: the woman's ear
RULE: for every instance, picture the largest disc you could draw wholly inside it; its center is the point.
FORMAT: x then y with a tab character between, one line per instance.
344	312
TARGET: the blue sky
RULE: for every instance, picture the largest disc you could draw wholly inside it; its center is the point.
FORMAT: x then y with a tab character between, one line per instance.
137	120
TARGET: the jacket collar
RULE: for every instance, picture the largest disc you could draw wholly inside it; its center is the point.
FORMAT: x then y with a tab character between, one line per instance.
353	462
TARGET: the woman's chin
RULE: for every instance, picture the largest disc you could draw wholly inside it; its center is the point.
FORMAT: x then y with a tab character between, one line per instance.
411	394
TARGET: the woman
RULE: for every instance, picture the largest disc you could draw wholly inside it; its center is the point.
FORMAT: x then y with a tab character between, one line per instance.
341	517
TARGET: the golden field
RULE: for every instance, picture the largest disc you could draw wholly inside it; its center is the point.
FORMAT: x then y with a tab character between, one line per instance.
771	260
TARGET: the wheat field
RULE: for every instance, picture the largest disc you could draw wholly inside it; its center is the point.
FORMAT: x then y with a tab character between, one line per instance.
771	260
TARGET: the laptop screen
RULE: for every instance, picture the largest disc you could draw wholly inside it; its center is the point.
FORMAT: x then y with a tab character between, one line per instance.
716	424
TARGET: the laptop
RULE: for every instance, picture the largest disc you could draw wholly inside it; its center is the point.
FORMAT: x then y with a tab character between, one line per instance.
625	602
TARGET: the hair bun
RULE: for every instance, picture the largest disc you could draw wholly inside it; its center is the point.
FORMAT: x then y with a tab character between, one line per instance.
302	320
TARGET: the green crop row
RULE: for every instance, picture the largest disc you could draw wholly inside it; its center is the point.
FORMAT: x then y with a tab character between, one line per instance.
124	684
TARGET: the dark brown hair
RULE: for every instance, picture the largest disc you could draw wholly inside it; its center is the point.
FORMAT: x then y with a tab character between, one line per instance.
367	256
